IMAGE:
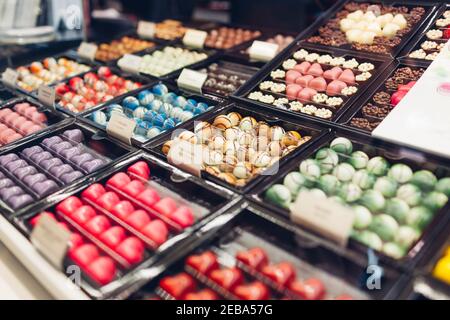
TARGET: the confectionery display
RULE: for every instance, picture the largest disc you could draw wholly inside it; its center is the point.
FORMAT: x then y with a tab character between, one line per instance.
155	111
44	168
20	120
169	29
48	71
434	39
313	83
442	269
393	204
93	88
169	59
386	98
236	148
117	48
370	27
224	78
228	37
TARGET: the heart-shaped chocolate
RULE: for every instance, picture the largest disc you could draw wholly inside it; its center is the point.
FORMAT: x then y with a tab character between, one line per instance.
33	179
335	87
58	148
347	76
282	273
292	75
75	135
315	70
93	192
333	73
204	262
148	197
7	193
303	67
41	156
69	205
140	169
319	84
14	165
254	258
60	170
93	165
20	201
156	231
113	236
28	152
6	183
252	291
119	180
70	177
178	285
306	94
205	294
50	163
227	278
311	289
82	158
45	188
8	158
52	141
21	173
183	216
70	152
304	80
292	90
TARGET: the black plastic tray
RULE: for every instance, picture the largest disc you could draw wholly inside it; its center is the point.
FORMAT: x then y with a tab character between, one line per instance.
86	116
247	226
113	150
395	154
211	199
272	118
381	63
356	109
331	13
6	94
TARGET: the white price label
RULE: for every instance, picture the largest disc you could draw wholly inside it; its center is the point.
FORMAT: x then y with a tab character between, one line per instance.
263	51
121	127
191	80
51	239
130	63
146	29
9	77
195	38
47	95
187	156
324	216
87	50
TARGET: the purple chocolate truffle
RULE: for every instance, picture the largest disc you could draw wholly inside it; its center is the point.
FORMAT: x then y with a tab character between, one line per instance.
75	135
51	141
61	146
6	182
31	180
45	188
25	171
71	152
38	157
50	163
14	165
17	202
60	170
70	177
93	165
82	158
7	193
8	158
28	152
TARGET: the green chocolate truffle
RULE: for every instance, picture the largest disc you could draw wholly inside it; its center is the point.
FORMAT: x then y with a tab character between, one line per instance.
359	159
310	169
387	186
393	250
350	192
384	226
443	186
424	179
328	183
400	173
410	194
377	166
344	172
342	146
398	209
363	217
279	195
435	200
363	179
373	200
370	239
294	181
406	236
419	217
327	159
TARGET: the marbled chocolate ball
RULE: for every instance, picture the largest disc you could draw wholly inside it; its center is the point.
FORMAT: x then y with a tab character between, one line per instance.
344	172
398	209
387	186
363	179
329	184
400	173
363	217
419	217
443	186
377	166
410	194
279	195
294	181
342	146
327	159
358	159
310	168
350	192
384	226
424	179
373	200
435	200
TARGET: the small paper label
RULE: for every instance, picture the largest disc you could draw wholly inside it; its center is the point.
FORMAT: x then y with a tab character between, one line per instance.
263	51
195	38
47	95
51	240
121	127
130	63
146	29
87	50
324	216
191	80
9	77
186	156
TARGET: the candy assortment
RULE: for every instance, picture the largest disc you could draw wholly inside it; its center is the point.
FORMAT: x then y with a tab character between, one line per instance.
386	98
227	37
93	88
169	29
236	148
118	225
370	27
117	48
434	39
20	120
154	111
393	204
47	72
313	83
42	169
